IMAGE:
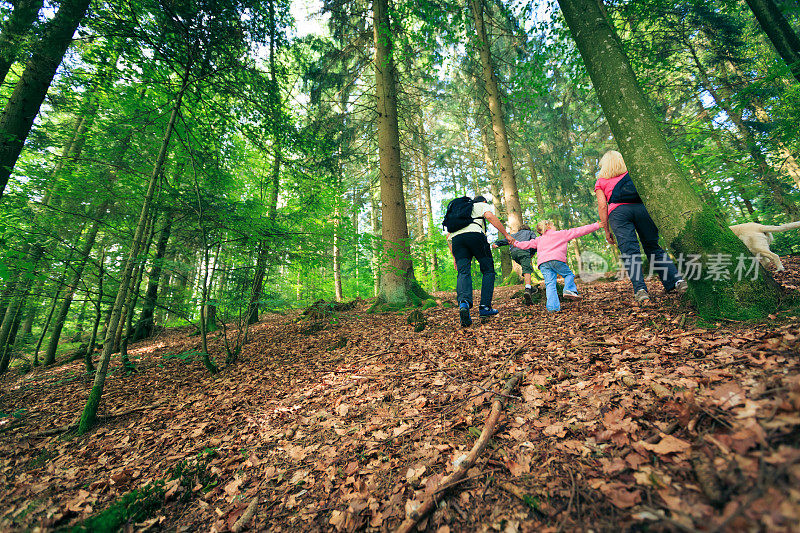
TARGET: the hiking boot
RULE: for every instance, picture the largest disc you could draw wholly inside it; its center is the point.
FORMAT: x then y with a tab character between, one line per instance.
527	296
484	311
569	295
642	297
463	313
681	286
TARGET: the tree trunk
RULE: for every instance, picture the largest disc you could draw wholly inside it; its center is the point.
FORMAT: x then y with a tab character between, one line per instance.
30	317
275	111
72	285
89	414
376	247
22	283
537	188
23	106
498	122
97	317
357	203
14	31
685	224
126	324
398	285
80	326
780	33
507	266
426	189
45	326
144	328
337	259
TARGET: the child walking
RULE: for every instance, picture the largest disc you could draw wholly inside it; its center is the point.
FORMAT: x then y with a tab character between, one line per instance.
551	246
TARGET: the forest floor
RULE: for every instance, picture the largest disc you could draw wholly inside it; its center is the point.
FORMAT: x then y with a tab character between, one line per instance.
627	418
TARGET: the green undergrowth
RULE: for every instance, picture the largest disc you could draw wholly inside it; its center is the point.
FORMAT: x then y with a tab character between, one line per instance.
512	279
131	507
142	503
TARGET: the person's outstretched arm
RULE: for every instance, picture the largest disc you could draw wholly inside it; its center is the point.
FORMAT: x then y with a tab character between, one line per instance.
488	215
602	212
574	233
532	244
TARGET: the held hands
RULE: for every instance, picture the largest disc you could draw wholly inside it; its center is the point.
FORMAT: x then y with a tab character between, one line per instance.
511	241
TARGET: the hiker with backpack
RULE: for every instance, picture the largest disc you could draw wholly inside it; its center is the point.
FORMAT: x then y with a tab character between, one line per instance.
623	215
552	259
465	223
524	258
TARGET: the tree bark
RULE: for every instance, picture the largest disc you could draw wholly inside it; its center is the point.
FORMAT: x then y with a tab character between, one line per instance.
337	253
376	246
498	122
15	29
89	414
398	284
780	33
145	325
688	227
98	315
23	106
507	266
426	189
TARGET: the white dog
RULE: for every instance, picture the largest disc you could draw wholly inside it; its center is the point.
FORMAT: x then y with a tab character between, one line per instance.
758	237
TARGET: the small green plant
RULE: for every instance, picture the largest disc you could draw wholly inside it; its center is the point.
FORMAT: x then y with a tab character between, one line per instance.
133	506
187	357
195	471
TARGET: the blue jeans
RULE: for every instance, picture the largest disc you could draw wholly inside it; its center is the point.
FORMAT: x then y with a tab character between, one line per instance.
551	270
465	247
628	220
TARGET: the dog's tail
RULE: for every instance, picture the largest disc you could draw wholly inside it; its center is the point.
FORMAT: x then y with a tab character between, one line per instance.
782	227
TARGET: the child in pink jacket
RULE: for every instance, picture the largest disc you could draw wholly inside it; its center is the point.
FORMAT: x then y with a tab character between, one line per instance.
551	249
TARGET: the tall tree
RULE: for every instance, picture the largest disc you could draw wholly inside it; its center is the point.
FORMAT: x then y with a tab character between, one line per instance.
23	106
398	284
688	227
510	192
780	33
14	31
89	414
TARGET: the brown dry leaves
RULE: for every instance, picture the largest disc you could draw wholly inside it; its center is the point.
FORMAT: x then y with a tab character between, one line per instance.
624	417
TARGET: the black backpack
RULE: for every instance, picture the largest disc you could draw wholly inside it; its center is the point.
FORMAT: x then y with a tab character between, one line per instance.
625	192
459	214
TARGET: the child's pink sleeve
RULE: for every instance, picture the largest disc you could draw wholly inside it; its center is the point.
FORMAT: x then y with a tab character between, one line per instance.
574	233
527	245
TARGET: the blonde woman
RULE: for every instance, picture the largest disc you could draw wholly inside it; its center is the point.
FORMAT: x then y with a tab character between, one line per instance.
623	216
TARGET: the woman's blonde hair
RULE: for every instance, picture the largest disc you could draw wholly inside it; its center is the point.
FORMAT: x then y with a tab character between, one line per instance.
611	165
542	226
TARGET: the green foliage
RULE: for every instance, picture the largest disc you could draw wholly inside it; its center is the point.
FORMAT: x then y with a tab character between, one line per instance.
134	506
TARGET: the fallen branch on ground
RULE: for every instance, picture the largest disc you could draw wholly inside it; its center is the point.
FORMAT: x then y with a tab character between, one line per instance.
488	430
246	516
